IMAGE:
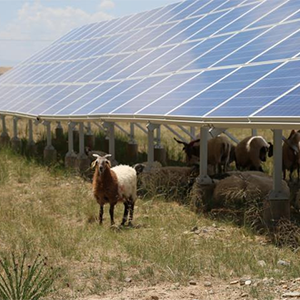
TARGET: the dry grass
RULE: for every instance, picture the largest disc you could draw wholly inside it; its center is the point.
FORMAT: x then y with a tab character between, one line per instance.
48	211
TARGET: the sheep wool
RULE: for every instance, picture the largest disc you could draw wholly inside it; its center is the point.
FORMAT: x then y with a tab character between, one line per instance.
126	177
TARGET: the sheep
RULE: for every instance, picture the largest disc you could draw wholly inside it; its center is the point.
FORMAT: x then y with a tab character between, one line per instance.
219	152
113	185
291	154
251	152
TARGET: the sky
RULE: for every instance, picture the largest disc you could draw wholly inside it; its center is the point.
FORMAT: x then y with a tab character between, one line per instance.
27	26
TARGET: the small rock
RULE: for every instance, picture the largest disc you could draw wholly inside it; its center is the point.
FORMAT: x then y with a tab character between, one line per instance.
291	295
234	282
248	282
193	282
283	263
261	263
154	298
128	279
244	295
207	284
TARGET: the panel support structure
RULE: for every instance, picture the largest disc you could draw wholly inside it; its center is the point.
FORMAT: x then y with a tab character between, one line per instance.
82	159
110	126
132	146
89	137
31	147
15	141
203	178
278	205
70	159
50	153
4	137
151	127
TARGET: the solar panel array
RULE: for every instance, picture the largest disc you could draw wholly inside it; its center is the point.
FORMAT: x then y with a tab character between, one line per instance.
193	59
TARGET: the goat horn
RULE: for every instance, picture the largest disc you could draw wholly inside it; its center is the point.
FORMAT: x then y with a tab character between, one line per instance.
96	155
180	142
107	155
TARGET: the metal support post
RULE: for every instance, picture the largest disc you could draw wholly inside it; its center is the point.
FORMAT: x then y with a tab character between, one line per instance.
110	126
193	132
277	205
70	159
50	153
203	178
131	137
4	137
254	132
15	141
151	127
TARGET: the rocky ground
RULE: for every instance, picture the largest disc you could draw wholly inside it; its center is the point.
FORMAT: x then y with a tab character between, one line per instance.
209	288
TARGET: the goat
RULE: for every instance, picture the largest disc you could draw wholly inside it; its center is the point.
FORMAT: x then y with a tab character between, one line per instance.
291	154
113	185
219	152
251	152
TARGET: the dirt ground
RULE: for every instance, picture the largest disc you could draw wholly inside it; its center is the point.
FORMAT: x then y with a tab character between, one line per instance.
210	289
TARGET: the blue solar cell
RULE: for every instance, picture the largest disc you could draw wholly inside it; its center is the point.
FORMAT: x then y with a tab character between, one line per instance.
226	18
284	50
295	16
185	59
225	49
260	94
156	31
87	98
164	59
10	94
147	20
262	9
259	45
103	98
189	10
210	7
233	3
279	14
168	35
131	59
142	63
218	93
173	11
51	96
204	22
103	30
57	105
288	105
83	34
154	94
128	95
23	74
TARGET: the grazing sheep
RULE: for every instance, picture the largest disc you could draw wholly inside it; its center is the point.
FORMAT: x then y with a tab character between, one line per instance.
113	185
219	152
251	152
291	154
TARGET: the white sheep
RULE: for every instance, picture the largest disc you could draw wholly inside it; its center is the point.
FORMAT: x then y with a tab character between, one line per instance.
251	152
113	185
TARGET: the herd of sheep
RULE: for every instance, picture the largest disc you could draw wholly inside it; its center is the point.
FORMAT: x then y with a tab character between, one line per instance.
119	184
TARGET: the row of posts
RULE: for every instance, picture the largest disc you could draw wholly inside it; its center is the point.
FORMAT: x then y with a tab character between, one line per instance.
85	136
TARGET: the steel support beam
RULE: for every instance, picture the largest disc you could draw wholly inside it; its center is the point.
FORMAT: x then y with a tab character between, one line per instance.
203	178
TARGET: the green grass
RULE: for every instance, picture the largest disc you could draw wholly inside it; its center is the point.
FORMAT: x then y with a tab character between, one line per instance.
46	210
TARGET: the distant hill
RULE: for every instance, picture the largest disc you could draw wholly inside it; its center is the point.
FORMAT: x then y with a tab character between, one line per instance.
4	69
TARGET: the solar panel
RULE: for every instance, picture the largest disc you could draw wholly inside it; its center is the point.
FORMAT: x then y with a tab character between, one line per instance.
192	60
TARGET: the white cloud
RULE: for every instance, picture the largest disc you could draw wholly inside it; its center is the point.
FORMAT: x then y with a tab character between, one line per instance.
107	4
38	22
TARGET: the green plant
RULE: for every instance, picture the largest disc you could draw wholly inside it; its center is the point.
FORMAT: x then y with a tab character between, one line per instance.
22	281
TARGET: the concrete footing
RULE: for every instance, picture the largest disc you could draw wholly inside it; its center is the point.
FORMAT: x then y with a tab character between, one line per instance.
160	155
132	152
50	155
16	144
4	139
89	141
71	160
274	210
82	163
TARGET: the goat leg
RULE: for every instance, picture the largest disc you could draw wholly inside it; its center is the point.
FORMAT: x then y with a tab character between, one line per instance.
125	213
111	212
101	215
131	210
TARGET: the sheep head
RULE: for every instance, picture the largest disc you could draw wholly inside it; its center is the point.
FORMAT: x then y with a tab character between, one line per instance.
101	162
266	151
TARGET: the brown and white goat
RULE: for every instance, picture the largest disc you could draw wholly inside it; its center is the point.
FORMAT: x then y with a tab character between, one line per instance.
291	154
251	152
219	152
113	185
